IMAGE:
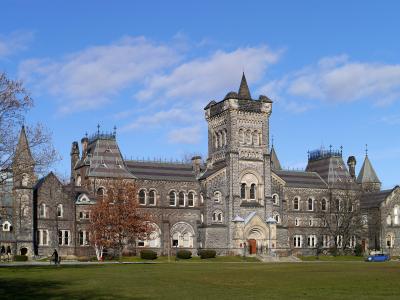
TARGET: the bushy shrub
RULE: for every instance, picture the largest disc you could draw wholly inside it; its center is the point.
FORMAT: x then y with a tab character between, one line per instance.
148	254
20	258
204	254
333	251
358	250
184	254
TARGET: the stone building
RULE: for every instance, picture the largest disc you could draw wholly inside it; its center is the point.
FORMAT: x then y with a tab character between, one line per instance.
239	201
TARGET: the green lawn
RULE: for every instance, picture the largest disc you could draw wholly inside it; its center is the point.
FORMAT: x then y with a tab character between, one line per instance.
332	258
319	280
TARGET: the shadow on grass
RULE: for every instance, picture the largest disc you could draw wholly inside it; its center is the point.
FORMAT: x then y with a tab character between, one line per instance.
18	288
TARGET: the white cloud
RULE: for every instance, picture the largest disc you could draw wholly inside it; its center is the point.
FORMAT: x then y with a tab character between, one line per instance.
186	135
337	79
88	78
205	78
160	118
14	42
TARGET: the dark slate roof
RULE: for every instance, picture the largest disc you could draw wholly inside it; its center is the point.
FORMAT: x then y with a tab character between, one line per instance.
104	158
367	173
161	171
373	200
212	171
244	92
331	168
301	179
275	164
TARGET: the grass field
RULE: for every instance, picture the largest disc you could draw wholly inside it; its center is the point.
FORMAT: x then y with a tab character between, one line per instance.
311	280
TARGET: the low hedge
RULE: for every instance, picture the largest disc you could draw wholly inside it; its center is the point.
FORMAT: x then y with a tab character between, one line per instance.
21	258
204	254
148	254
184	254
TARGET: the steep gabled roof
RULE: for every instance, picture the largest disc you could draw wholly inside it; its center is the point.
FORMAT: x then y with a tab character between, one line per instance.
331	168
367	173
300	179
275	164
374	199
23	153
244	92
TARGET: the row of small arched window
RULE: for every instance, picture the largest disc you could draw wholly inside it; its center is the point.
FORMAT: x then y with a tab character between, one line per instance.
249	137
220	138
251	194
44	214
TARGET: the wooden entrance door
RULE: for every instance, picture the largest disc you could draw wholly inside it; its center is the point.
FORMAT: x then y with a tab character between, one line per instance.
252	246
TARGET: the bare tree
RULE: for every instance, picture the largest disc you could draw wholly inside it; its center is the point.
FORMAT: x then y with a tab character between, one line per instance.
15	102
116	219
341	219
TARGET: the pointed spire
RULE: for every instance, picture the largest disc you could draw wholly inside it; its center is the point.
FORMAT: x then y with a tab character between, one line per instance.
275	164
244	92
22	152
367	173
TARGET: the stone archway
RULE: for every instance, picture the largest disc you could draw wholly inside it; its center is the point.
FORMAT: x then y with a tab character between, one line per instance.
256	240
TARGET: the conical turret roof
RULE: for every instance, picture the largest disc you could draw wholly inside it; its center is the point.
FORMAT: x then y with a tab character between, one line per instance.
367	173
244	92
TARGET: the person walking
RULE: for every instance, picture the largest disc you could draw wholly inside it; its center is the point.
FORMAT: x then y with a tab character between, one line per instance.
55	255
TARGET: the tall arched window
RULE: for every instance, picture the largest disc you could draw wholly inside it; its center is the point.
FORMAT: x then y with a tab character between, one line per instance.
248	137
142	197
389	241
224	141
220	139
296	203
323	204
253	191
60	210
181	199
217	216
25	180
277	218
275	199
152	197
42	210
191	199
243	191
172	198
241	136
310	203
255	138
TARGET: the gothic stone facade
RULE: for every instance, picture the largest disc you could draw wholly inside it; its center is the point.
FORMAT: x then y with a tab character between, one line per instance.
239	201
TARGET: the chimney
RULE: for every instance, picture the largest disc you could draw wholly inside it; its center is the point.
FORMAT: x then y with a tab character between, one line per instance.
196	163
84	142
351	163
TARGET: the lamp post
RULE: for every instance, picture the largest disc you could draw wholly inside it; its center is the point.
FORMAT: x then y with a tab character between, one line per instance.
270	221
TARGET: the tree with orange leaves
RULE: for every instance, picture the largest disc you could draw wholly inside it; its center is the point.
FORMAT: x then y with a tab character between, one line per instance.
116	220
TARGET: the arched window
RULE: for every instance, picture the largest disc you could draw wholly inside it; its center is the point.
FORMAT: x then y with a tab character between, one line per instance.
215	141
248	137
338	204
217	216
310	203
220	142
25	179
323	204
191	199
389	241
224	142
142	197
243	191
181	199
60	211
389	220
253	191
312	241
101	192
152	197
201	198
6	226
172	198
277	218
297	241
78	181
311	222
42	210
255	138
241	136
275	199
296	222
296	203
217	197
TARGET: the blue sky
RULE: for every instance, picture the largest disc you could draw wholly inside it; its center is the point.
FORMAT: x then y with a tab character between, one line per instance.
332	70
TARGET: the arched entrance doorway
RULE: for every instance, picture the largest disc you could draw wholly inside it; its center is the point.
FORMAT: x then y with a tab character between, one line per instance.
256	240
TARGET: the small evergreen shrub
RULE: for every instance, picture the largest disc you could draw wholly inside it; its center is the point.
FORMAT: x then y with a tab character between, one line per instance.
333	251
21	258
358	250
204	254
148	254
184	254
